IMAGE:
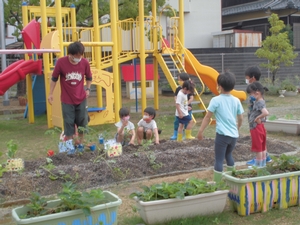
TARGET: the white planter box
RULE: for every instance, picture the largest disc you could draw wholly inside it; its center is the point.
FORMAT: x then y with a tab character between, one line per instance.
283	125
105	214
290	93
160	211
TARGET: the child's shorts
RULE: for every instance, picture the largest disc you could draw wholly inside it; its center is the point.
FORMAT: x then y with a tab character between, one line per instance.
259	138
185	120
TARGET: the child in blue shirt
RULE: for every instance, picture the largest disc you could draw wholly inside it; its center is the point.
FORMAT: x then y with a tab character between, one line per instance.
226	109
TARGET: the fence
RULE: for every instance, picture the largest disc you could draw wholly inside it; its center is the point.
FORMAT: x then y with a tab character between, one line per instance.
237	63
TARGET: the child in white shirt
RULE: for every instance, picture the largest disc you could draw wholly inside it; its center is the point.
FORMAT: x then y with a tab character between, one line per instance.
125	129
147	127
182	112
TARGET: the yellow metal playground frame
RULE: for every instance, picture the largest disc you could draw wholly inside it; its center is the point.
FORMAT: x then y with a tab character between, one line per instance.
109	45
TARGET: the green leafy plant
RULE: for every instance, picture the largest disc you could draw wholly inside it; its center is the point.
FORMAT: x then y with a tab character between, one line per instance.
288	85
276	48
273	86
59	174
281	164
152	160
2	168
192	186
145	145
119	174
70	199
289	116
12	148
272	117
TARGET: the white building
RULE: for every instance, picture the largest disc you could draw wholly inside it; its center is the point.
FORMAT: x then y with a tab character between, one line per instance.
201	19
9	38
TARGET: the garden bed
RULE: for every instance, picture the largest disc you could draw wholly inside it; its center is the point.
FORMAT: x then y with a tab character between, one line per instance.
88	170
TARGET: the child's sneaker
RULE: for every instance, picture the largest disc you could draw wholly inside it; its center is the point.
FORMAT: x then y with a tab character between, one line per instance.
79	147
251	162
268	159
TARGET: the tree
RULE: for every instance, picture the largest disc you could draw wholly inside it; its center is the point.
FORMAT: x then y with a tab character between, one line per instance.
276	48
127	9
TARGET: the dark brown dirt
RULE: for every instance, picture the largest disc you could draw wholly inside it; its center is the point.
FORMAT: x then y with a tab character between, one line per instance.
136	162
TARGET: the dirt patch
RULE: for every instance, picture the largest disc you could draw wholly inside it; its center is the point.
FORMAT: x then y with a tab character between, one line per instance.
136	162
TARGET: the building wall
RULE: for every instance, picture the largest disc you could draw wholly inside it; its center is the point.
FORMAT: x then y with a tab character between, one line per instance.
201	18
9	39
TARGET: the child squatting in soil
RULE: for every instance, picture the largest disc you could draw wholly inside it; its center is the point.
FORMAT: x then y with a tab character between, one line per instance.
253	74
125	129
226	109
182	113
257	118
181	78
147	127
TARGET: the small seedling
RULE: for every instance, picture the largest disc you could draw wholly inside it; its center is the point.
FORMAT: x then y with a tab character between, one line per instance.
289	116
12	148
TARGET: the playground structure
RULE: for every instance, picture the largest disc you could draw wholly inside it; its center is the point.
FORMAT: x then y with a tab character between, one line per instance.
107	46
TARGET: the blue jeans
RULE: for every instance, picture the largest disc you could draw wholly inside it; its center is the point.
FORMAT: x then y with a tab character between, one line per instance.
176	121
224	145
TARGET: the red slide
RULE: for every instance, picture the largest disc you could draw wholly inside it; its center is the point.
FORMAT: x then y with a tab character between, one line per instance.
17	72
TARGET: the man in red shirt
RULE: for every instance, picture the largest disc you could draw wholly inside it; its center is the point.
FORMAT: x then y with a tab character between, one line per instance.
71	70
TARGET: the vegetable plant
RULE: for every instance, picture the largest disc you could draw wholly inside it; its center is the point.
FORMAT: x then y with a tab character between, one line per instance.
71	199
2	168
12	148
192	186
281	164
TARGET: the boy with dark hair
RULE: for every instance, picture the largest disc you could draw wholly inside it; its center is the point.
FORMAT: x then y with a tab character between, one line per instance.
72	69
226	109
253	74
182	112
125	129
181	78
147	127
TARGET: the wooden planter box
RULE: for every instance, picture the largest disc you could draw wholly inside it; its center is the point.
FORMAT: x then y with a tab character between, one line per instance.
105	214
261	194
283	125
160	211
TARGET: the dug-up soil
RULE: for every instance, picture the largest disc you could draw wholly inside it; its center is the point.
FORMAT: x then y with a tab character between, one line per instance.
89	170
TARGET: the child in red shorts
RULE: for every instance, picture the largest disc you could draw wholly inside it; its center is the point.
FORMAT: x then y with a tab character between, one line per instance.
257	118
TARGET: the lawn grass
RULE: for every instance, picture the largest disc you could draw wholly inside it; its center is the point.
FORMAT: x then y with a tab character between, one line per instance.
289	216
33	143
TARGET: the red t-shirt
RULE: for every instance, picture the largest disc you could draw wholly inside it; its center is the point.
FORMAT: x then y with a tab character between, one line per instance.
72	79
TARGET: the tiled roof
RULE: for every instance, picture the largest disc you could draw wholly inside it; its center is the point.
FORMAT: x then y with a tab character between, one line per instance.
261	5
15	45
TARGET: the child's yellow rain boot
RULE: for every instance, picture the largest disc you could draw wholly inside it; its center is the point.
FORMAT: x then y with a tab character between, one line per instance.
179	137
188	134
